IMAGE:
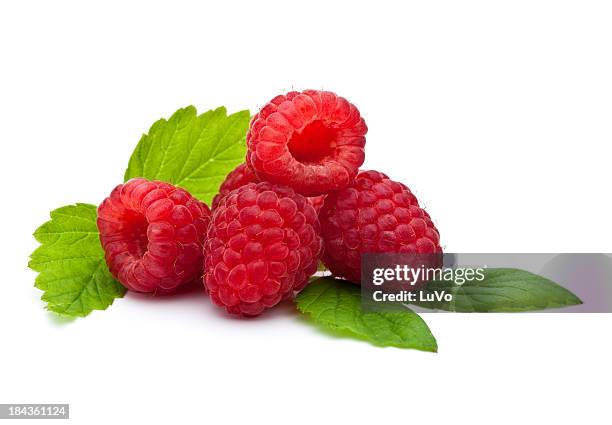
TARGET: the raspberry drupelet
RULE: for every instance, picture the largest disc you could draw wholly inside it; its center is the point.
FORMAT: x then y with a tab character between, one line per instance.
263	244
311	141
152	234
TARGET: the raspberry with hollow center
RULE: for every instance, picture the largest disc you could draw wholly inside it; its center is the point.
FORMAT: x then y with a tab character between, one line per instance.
312	141
374	214
152	234
242	175
263	244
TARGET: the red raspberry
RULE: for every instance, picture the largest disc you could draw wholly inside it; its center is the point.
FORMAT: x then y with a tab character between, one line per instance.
373	214
242	175
263	244
152	234
239	176
312	141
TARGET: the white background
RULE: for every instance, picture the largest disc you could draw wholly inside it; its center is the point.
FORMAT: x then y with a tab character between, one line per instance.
496	114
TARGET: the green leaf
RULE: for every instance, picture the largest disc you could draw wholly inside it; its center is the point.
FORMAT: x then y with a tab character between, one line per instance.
501	290
336	304
192	151
70	262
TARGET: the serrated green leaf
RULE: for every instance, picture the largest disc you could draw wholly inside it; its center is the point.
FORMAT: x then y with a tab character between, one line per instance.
70	262
336	304
192	151
501	290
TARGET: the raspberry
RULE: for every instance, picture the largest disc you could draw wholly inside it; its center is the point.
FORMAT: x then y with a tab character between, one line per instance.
263	244
312	141
239	176
373	214
152	234
242	175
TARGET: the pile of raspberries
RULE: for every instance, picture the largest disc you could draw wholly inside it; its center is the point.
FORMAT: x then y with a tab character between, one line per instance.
298	199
